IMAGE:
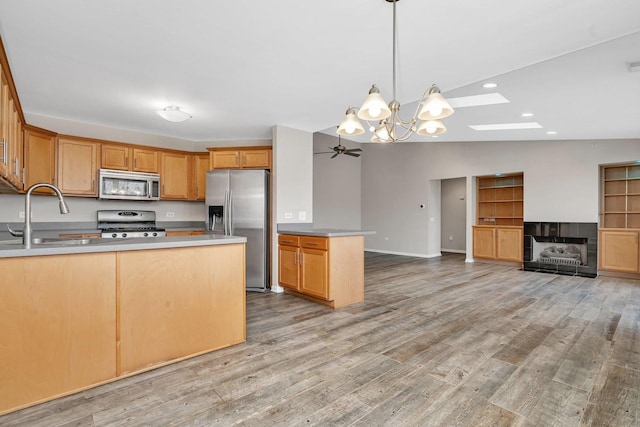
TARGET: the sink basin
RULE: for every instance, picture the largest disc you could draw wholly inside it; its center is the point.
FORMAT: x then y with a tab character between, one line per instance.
59	241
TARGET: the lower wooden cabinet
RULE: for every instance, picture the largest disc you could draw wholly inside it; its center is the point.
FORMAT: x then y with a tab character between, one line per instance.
619	250
500	243
327	270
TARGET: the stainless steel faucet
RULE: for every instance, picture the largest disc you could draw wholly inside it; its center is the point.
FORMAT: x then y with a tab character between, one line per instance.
26	231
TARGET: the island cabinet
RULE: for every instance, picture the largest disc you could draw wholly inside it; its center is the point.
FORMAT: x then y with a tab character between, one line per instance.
240	157
128	158
619	250
326	270
73	321
58	322
77	166
504	243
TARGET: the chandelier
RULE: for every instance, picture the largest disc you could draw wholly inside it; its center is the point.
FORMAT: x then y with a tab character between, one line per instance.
385	121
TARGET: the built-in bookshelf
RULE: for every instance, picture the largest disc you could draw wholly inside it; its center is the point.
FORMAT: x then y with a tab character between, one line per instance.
500	200
620	204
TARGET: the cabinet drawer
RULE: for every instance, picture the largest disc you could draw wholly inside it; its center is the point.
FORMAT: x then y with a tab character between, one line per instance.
314	242
288	240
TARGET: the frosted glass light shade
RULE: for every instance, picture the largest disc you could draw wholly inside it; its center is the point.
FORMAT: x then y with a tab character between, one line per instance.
173	113
435	108
350	125
431	127
374	108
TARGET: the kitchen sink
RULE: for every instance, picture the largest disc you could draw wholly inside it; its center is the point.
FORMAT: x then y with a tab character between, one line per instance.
60	241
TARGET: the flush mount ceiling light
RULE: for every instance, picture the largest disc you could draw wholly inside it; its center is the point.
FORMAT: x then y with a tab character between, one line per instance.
385	121
173	113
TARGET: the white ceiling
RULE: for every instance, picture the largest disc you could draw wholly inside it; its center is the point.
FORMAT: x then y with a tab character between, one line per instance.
241	66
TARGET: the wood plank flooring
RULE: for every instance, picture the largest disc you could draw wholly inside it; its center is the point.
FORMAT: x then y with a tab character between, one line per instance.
438	342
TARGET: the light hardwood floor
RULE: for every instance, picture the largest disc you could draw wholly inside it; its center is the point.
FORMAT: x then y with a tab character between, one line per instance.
438	342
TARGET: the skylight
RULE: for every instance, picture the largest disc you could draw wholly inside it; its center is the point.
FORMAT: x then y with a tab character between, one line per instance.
507	126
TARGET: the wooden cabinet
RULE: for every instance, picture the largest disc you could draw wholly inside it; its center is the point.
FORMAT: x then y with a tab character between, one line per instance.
39	159
174	176
4	126
498	243
77	166
185	233
500	200
125	157
58	322
11	138
199	182
327	270
620	192
240	157
619	250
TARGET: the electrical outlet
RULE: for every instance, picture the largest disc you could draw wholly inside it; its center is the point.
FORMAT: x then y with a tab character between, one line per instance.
288	215
450	238
171	214
21	214
302	216
386	238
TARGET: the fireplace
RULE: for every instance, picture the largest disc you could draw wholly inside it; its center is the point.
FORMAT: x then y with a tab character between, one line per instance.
569	248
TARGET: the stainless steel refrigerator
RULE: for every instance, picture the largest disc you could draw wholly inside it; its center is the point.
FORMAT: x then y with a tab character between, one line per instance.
237	204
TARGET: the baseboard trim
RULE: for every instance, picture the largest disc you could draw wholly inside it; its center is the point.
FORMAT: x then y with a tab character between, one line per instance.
404	253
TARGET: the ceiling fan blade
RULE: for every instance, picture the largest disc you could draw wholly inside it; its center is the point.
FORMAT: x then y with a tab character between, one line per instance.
324	152
334	155
351	154
354	149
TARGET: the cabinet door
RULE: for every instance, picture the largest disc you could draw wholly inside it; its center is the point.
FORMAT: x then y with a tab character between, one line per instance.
39	161
77	166
619	250
225	159
509	244
174	176
314	272
200	168
484	243
255	159
145	160
15	148
288	272
4	126
115	157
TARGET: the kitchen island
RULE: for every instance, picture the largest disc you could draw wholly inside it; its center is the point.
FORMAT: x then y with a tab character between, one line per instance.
325	266
76	315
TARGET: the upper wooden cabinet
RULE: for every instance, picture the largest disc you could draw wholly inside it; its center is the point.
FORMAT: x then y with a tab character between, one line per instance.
125	157
620	203
174	175
77	166
240	157
200	168
39	158
11	142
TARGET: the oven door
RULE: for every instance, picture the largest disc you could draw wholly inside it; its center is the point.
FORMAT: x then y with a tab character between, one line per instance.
128	185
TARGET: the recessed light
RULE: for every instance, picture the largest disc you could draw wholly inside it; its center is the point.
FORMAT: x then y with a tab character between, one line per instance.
477	100
552	132
527	114
507	126
490	85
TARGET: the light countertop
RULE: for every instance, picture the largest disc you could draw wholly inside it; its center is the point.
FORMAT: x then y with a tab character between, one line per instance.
12	250
325	232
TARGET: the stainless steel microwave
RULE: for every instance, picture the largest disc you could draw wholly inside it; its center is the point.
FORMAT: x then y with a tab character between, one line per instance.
123	185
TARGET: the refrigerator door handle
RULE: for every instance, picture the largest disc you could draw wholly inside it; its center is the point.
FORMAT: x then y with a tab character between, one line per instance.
225	214
231	212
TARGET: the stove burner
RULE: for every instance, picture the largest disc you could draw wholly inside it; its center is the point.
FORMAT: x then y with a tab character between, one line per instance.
128	224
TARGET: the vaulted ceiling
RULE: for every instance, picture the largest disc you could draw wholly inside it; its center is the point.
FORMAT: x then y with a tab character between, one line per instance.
240	67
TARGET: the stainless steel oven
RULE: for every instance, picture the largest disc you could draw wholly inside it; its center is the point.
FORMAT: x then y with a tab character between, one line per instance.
134	223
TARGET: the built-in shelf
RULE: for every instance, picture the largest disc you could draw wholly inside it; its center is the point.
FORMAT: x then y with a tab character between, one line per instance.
500	200
620	203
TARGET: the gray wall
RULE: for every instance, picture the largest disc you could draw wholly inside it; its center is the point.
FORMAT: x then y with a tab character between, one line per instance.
454	215
336	185
561	183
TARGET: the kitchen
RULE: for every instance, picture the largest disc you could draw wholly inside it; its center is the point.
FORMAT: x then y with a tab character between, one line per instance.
297	188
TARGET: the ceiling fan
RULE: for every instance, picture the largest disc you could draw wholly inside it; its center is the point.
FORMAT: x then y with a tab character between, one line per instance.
341	149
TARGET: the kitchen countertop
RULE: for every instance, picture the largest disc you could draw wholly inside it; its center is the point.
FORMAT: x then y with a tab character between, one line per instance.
9	250
326	232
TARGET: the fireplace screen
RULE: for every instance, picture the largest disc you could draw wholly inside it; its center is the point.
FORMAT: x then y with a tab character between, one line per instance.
558	253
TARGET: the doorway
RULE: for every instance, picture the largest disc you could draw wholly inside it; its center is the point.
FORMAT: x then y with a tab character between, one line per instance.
453	214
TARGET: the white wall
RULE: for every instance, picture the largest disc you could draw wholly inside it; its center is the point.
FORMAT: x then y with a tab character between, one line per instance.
336	185
454	215
291	185
560	183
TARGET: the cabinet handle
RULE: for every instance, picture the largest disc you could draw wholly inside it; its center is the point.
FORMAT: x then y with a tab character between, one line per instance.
126	161
135	163
287	241
4	151
295	258
15	164
300	258
312	243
